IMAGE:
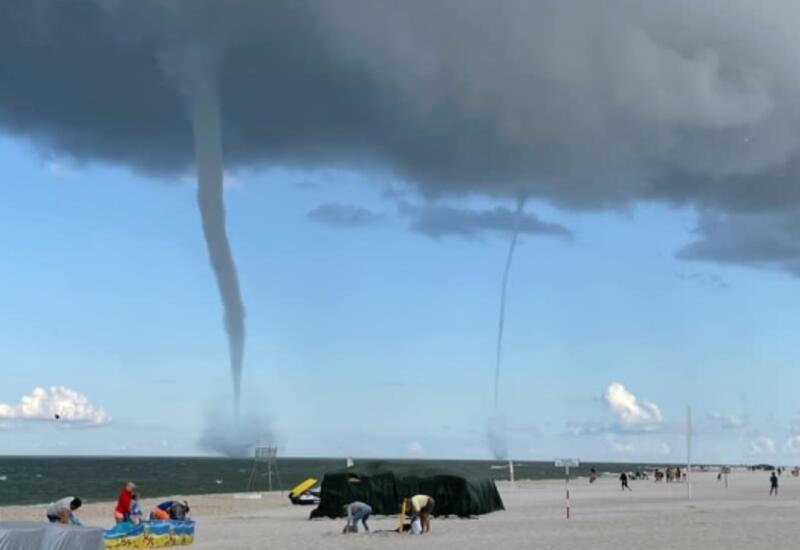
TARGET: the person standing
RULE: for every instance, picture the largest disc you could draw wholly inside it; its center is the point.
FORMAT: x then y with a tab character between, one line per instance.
623	480
773	484
357	512
63	511
122	512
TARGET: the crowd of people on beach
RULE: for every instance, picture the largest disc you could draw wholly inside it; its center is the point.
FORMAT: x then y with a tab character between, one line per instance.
676	475
670	475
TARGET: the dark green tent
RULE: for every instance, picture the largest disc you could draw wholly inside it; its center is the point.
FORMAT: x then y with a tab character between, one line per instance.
456	493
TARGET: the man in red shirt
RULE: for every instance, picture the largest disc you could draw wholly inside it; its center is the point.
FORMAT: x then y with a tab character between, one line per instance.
123	510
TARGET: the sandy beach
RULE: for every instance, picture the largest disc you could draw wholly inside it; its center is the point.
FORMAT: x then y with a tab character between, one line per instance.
653	515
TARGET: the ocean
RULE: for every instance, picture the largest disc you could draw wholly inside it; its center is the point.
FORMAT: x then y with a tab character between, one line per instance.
37	480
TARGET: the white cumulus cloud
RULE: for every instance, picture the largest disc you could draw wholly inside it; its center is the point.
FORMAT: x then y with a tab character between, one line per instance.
793	444
619	446
662	447
415	448
762	445
630	412
726	421
44	404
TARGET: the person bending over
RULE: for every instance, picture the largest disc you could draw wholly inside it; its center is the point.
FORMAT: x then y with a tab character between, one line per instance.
422	507
357	512
171	509
63	511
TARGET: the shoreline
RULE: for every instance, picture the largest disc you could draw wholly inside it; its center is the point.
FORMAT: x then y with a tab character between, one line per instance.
36	480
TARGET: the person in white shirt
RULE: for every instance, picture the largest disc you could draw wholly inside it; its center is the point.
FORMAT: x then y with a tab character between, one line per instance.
63	511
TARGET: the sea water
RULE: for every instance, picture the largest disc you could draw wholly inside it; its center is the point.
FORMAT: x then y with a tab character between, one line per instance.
38	480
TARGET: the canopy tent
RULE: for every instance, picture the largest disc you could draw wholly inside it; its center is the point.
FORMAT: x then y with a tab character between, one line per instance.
456	493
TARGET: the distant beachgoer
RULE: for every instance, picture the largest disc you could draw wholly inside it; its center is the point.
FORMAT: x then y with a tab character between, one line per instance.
122	512
592	475
678	475
357	512
422	507
63	511
623	479
773	484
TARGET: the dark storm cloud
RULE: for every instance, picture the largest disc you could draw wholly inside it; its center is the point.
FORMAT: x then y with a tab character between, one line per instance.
711	280
343	215
583	104
445	221
762	240
586	104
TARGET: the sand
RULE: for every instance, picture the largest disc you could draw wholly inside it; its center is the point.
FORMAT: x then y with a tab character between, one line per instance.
652	516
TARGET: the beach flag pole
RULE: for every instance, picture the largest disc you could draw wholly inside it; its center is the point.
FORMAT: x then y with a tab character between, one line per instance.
689	452
566	463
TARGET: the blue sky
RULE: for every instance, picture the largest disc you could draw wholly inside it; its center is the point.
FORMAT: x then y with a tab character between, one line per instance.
377	340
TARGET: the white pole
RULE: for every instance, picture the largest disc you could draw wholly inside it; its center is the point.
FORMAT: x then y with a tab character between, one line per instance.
689	452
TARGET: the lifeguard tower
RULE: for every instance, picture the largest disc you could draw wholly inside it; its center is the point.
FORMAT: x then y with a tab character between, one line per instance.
264	457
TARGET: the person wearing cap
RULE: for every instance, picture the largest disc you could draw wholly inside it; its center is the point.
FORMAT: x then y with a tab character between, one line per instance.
123	510
63	511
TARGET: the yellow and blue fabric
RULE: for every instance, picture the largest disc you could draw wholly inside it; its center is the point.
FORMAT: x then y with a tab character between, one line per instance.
150	534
